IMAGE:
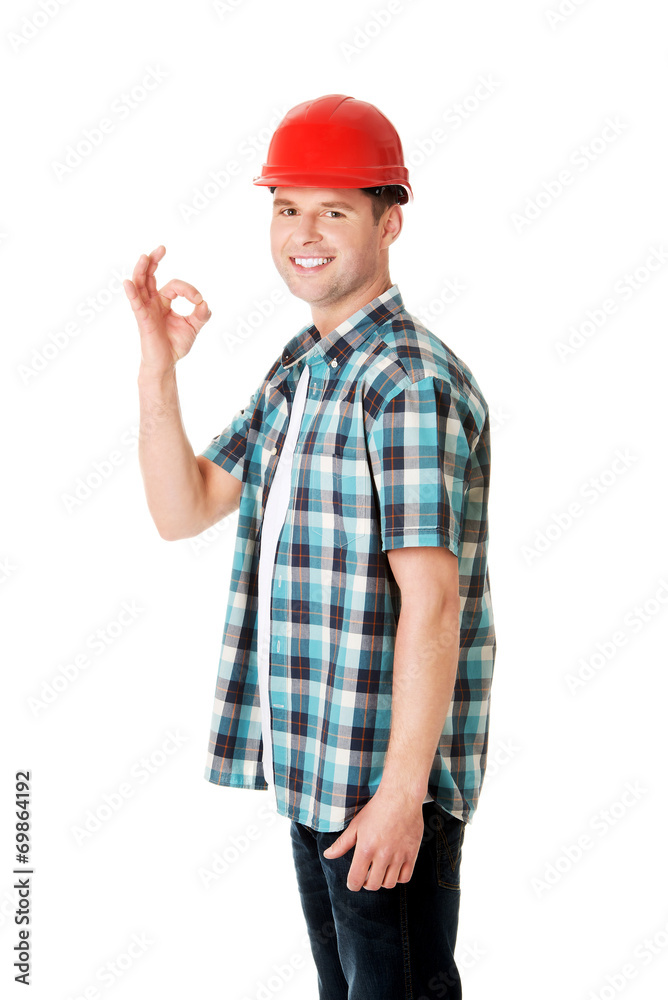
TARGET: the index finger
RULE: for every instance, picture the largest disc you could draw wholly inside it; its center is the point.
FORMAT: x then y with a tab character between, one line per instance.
176	287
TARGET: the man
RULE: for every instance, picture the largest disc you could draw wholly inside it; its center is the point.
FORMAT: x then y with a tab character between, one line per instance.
358	650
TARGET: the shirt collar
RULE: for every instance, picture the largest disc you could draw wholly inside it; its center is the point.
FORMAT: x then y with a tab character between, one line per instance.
308	346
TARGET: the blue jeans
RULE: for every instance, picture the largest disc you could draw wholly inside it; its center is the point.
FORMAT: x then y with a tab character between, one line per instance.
384	944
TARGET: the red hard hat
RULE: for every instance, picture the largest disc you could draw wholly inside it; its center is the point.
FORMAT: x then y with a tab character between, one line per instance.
335	141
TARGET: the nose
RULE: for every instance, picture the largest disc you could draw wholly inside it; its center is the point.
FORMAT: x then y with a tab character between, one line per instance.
306	230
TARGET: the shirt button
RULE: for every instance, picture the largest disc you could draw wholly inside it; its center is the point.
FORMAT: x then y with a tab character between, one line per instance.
334	363
274	450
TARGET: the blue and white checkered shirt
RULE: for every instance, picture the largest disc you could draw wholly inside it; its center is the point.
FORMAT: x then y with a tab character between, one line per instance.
393	450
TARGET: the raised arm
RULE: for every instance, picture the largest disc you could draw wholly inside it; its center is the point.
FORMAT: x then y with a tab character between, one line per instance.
185	493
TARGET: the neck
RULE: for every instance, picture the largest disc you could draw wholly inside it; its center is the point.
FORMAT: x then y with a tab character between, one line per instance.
327	319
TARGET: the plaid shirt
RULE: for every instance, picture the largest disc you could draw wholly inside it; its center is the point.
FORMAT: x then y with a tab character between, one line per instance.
393	451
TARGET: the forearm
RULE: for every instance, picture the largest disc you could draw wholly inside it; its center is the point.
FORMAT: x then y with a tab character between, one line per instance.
425	668
173	483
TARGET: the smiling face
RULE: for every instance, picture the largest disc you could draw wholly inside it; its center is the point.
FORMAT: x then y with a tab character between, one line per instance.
328	250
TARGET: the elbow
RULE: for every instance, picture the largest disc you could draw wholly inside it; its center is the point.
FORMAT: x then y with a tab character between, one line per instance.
171	530
169	534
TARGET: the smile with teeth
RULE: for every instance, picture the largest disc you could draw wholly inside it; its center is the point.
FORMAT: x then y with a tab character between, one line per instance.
312	261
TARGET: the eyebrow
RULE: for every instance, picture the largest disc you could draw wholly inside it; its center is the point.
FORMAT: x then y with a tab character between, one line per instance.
285	202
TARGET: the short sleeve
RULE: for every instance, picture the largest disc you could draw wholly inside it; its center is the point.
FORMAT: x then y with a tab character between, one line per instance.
228	449
420	459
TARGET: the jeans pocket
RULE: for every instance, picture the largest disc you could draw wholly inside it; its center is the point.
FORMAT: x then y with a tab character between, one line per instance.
449	840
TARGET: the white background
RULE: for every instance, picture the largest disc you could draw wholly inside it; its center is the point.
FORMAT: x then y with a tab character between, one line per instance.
537	918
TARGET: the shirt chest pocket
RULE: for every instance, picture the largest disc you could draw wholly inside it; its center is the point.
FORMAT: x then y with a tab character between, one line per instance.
326	496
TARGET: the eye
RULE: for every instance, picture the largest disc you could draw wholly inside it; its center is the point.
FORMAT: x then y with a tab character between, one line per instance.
286	210
332	211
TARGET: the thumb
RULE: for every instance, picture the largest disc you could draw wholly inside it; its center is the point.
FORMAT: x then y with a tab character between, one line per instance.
341	844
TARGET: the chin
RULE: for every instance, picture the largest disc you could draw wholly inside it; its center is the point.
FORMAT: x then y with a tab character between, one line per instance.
301	289
304	295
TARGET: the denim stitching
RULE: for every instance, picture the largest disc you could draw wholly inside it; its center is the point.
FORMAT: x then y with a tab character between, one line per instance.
442	841
403	907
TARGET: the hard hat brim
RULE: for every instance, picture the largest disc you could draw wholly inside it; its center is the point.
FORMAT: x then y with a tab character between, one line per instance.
332	178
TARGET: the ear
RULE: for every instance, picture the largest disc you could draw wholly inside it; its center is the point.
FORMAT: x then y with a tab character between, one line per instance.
390	225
